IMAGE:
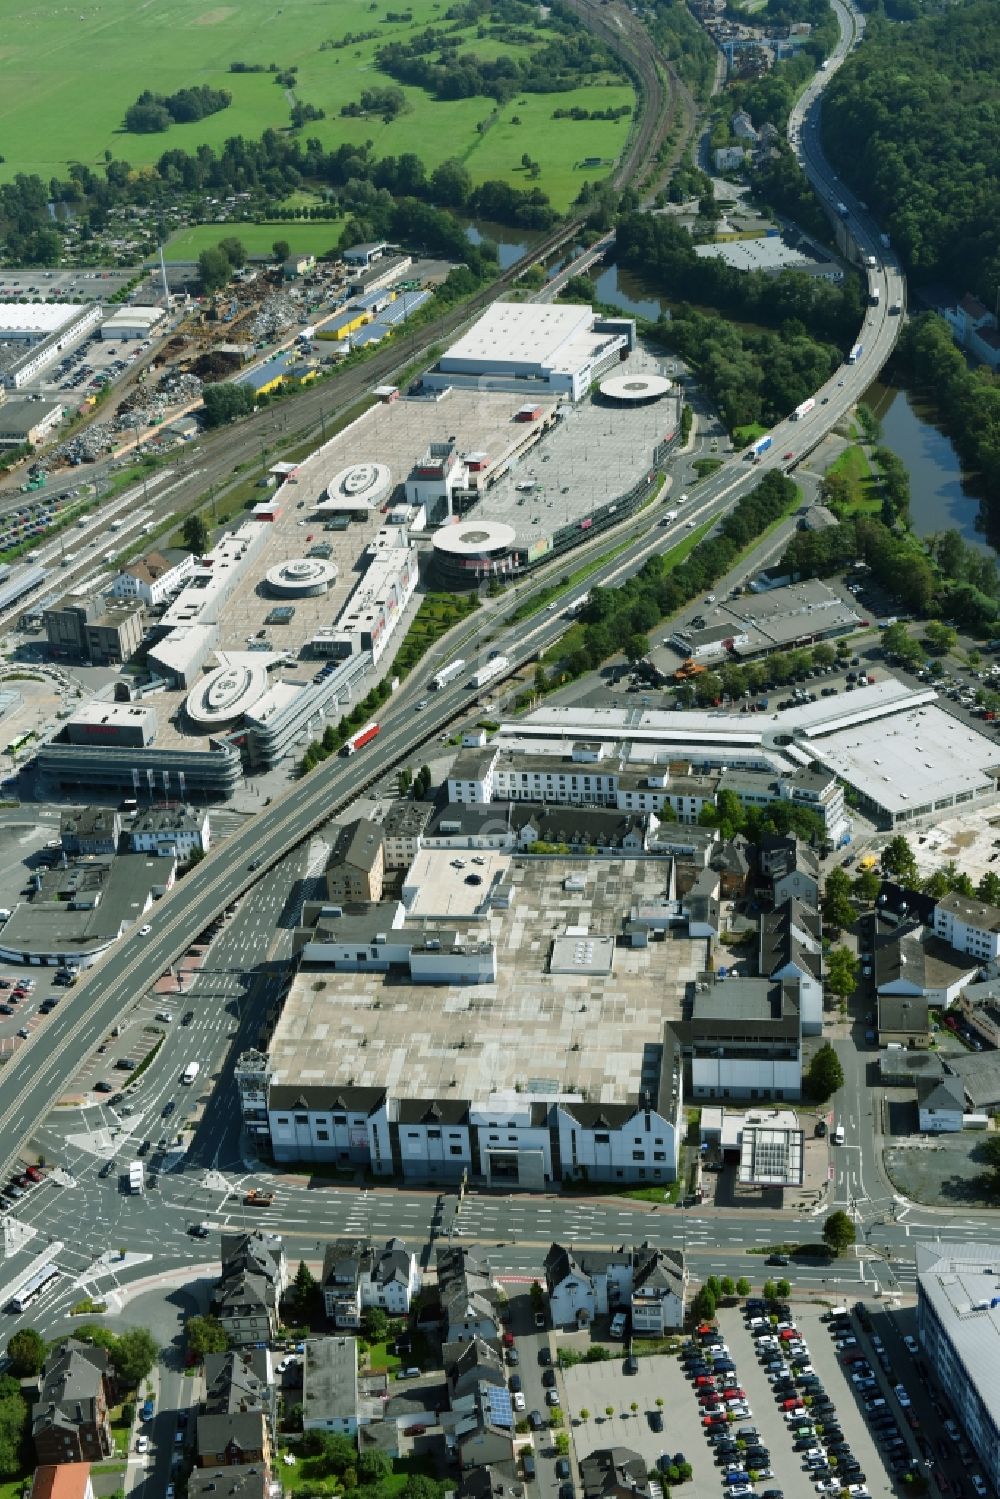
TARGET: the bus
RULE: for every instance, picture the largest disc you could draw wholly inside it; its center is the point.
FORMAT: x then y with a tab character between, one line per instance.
33	1287
855	354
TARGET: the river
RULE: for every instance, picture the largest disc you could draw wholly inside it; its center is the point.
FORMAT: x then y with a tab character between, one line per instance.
939	500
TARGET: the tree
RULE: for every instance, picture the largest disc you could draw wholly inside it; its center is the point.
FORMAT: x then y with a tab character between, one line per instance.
214	269
133	1355
374	1324
743	1287
703	1305
419	1487
305	1291
770	1291
281	250
26	1351
728	1286
898	860
205	1335
841	972
837	908
989	1153
373	1466
226	403
234	250
838	1232
867	885
824	1075
584	1414
13	1426
195	534
636	647
783	1288
939	638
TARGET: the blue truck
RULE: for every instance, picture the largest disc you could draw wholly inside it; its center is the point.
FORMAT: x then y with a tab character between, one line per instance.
757	448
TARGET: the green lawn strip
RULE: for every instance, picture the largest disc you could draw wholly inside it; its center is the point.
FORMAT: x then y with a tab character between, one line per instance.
744	436
304	236
854	467
378	1356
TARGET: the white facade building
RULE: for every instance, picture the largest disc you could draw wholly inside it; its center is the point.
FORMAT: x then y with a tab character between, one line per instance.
152	579
969	925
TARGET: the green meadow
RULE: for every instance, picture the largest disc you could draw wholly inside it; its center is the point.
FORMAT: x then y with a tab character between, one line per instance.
69	71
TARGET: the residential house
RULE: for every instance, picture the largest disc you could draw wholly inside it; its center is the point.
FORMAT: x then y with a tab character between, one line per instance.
790	868
979	1005
69	1420
571	1290
356	870
614	1473
743	127
248	1296
487	1483
467	1366
468	1296
903	1020
731	862
330	1395
176	832
245	1481
940	1105
659	1284
974	326
969	925
744	1038
485	1435
700	905
152	579
791	948
235	1424
912	964
729	158
356	1275
62	1481
90	830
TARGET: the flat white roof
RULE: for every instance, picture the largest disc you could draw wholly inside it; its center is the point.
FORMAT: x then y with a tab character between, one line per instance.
912	760
98	710
37	318
128	317
520	332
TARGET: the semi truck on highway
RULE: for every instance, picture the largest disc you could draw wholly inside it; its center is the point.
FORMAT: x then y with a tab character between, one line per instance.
488	671
578	605
448	674
755	450
136	1178
874	297
803	409
855	354
361	738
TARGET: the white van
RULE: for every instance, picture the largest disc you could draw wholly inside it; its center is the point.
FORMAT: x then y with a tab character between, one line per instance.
190	1072
838	1135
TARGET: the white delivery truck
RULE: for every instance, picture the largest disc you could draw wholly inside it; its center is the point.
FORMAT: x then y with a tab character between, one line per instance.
190	1072
136	1178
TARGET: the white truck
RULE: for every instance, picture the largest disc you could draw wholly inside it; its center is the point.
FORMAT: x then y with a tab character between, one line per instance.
136	1178
489	671
190	1072
448	674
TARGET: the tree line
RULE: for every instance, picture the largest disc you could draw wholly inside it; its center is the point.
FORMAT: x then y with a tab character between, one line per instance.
910	122
154	112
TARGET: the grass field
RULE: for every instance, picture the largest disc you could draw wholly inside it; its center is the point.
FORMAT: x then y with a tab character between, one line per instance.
70	71
304	239
853	467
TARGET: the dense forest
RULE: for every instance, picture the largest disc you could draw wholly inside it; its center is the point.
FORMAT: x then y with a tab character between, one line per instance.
912	121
